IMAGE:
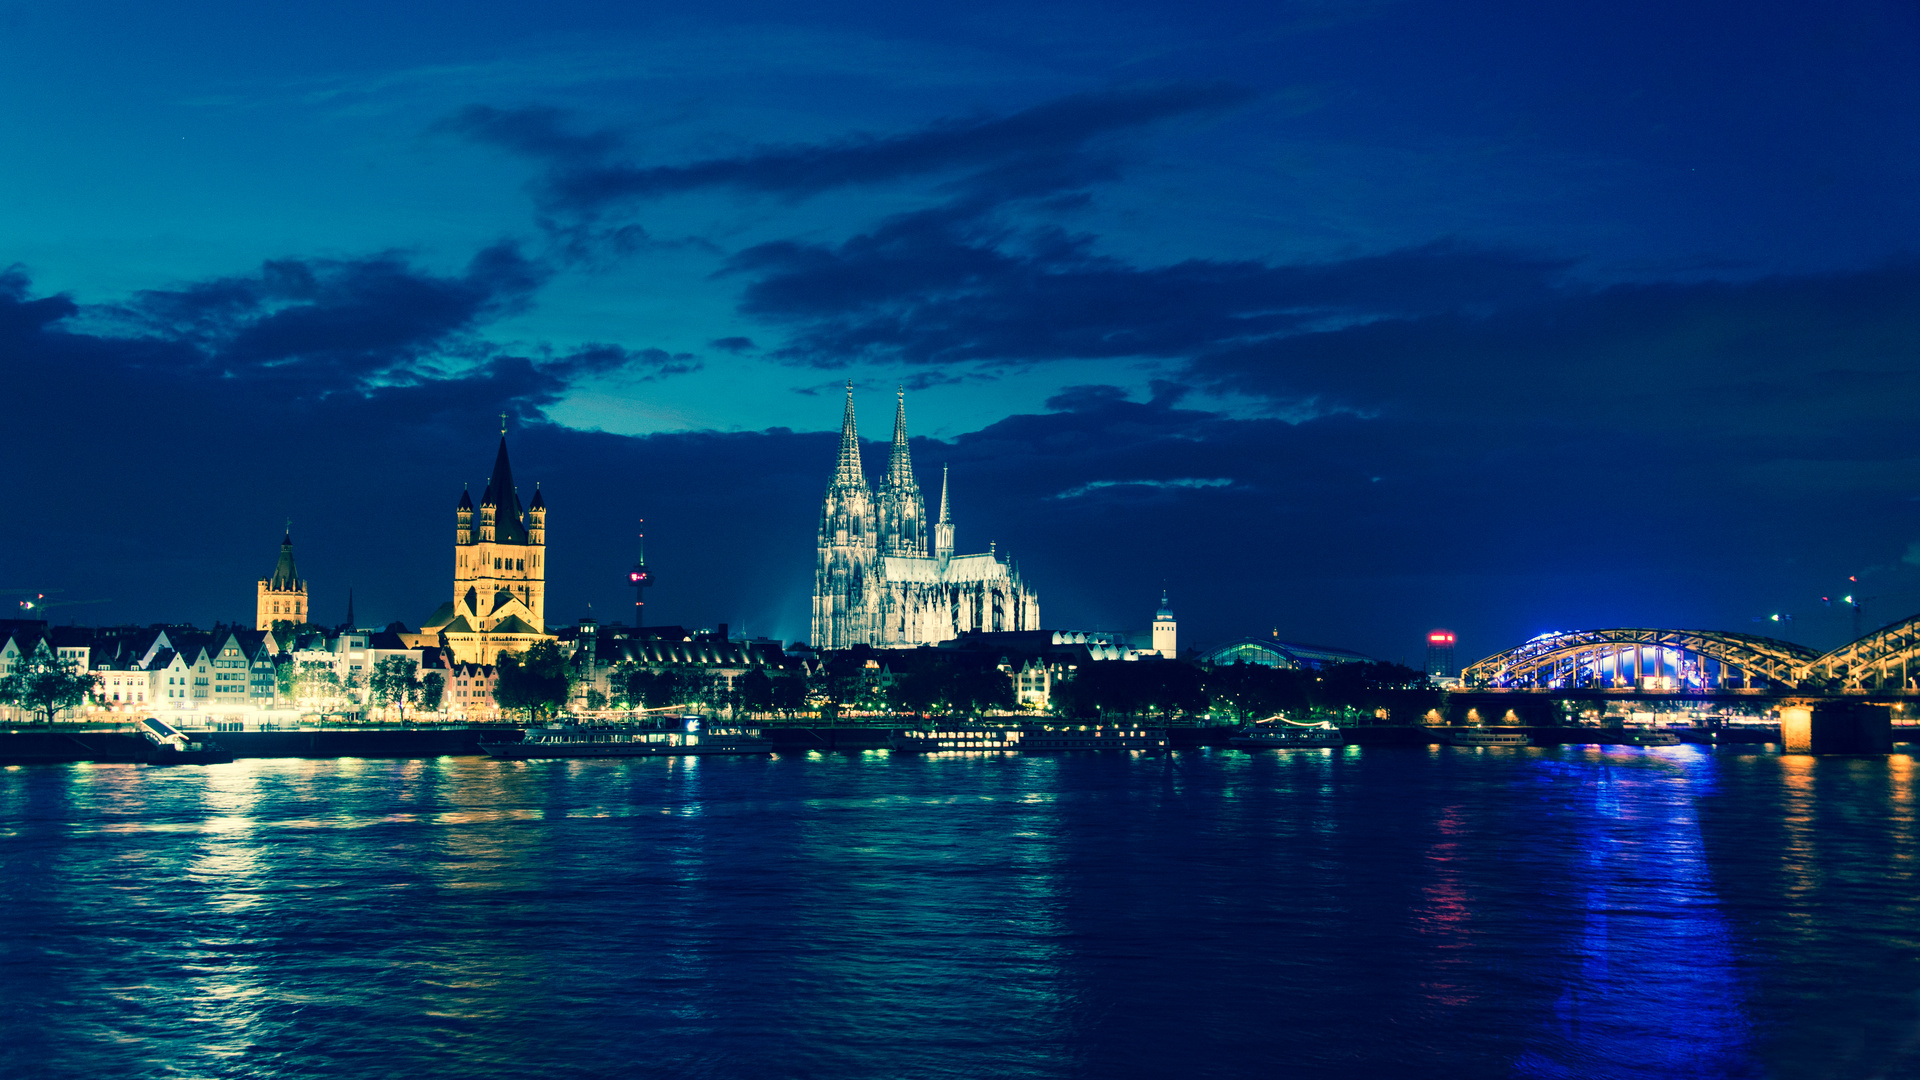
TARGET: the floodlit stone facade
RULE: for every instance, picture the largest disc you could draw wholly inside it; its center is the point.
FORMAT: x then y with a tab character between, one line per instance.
499	572
885	577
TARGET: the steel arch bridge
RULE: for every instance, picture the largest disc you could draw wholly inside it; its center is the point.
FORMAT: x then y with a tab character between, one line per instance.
1647	659
1887	659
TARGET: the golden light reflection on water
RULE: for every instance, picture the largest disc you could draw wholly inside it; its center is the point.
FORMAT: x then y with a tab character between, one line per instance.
1799	850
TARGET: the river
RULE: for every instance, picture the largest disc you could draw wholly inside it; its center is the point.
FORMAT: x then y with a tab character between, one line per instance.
1391	912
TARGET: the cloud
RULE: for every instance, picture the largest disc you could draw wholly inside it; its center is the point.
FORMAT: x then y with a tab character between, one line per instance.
535	131
1046	137
946	286
1162	485
1048	151
329	324
638	365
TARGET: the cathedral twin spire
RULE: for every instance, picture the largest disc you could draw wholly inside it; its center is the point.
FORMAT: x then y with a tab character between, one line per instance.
900	514
886	575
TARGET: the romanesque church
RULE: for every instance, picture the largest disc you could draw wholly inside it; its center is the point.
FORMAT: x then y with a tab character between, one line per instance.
886	576
499	572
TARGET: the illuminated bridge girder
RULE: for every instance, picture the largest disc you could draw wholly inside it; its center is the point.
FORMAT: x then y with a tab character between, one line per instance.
1887	659
1605	658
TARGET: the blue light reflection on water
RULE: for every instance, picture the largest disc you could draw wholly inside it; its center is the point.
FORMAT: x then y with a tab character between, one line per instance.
1381	912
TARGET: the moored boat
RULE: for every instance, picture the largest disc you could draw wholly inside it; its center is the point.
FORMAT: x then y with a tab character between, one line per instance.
1278	734
1026	739
171	746
1649	737
1039	739
556	741
1481	736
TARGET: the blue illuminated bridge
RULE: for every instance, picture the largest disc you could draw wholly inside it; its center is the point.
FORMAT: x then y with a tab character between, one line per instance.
1704	662
1833	702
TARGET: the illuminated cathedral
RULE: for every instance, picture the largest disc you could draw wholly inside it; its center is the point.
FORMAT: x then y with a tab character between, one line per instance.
886	576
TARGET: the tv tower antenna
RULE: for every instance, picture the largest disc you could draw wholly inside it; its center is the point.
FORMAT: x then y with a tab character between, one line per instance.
639	577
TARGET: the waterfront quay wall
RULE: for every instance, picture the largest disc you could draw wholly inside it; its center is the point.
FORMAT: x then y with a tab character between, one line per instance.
31	747
108	747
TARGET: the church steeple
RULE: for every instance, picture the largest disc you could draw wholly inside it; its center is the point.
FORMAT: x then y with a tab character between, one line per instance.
282	596
284	577
849	472
943	529
903	514
899	461
499	569
509	517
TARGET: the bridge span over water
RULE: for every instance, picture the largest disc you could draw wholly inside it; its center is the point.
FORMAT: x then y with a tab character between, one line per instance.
1845	690
1645	660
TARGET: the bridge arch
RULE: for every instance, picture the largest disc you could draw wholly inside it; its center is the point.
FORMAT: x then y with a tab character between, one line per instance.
1624	657
1887	659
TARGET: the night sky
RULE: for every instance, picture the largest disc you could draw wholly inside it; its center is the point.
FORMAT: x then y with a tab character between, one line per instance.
1344	320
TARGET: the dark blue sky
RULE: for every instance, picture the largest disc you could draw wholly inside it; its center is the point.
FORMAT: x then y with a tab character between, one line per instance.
1344	320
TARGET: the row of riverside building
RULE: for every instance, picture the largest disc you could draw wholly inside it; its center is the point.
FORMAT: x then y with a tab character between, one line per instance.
871	611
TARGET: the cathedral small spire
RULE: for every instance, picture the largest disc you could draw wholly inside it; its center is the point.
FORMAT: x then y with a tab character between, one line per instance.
943	526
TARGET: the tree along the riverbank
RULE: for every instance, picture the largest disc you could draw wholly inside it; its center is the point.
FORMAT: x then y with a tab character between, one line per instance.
535	684
47	685
1242	692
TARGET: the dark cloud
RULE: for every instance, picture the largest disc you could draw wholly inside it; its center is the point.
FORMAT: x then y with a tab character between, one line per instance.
1046	135
735	345
328	325
536	131
1045	152
948	287
640	365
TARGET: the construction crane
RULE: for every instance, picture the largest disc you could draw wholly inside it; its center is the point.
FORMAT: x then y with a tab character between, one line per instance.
34	602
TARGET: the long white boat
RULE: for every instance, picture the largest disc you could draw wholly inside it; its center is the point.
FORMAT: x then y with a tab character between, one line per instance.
1649	737
1481	736
1027	739
555	741
1276	733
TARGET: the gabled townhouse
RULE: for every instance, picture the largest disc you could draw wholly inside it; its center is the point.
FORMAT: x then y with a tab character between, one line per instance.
469	694
171	679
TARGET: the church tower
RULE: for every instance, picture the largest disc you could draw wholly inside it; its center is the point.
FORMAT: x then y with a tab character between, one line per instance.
283	596
1164	641
499	569
845	597
902	512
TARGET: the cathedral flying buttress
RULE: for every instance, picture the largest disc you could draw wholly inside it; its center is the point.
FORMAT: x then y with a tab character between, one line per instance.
886	576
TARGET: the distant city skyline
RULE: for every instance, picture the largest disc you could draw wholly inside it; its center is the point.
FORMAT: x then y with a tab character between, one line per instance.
1341	323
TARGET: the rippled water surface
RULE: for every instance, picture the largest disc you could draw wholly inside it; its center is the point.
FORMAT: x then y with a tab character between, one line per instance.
1564	912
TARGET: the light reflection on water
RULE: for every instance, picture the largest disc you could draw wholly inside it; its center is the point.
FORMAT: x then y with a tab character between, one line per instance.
1363	912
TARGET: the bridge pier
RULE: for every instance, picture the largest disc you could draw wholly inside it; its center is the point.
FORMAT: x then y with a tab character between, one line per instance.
1835	727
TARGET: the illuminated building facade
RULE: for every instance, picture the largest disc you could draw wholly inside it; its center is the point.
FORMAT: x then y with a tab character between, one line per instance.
1165	639
1272	652
885	577
1440	654
499	572
281	597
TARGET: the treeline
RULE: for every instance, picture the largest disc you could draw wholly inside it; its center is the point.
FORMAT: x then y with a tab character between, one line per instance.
953	683
1247	692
